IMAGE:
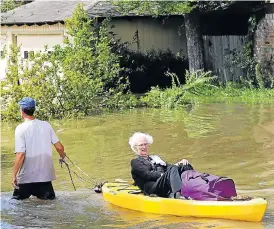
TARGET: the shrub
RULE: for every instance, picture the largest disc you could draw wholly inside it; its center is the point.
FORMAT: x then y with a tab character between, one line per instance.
146	70
175	96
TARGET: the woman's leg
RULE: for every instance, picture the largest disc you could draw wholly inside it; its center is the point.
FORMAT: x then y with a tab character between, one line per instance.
168	184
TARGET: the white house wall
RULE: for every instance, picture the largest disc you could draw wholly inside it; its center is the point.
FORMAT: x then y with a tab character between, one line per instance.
34	42
38	42
31	38
3	62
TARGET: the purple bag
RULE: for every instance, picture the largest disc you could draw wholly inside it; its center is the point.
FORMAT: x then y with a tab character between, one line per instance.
204	186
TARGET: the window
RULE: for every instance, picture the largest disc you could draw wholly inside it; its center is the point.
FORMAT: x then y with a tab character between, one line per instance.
26	54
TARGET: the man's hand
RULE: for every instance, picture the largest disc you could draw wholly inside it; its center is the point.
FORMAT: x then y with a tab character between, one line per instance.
19	159
14	182
61	161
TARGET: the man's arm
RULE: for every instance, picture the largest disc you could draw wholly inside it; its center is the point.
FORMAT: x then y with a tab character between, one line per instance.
60	149
57	144
19	159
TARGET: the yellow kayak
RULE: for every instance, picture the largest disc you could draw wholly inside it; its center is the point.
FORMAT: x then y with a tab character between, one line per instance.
127	196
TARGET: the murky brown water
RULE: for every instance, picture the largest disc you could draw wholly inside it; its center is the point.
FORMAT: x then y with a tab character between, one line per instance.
234	140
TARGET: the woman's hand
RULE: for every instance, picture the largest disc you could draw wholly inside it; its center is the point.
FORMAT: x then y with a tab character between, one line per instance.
184	162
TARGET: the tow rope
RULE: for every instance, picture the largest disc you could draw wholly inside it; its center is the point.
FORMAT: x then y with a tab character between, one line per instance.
81	178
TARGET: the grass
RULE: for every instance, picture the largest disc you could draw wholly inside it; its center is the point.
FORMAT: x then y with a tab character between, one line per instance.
233	93
200	87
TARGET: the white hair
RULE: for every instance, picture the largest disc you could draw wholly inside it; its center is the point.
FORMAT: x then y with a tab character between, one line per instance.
136	136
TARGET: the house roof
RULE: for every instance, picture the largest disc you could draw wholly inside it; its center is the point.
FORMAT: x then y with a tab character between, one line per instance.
107	9
54	11
43	11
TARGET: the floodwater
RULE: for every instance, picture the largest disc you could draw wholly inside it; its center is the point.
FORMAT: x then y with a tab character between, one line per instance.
234	140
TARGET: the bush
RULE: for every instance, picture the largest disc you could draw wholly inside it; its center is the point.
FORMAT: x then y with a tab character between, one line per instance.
175	96
146	70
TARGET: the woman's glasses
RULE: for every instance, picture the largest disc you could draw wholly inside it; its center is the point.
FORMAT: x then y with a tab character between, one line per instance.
141	145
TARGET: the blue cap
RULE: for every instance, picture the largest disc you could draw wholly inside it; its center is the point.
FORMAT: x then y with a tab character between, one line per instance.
27	103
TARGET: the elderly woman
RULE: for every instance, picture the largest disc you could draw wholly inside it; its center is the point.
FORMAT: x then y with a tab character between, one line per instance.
150	173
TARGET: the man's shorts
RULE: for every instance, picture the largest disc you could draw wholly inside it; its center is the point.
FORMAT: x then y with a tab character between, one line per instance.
42	190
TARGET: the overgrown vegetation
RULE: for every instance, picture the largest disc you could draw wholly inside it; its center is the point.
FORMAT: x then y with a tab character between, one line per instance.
157	8
145	70
202	87
176	96
6	5
71	81
234	92
255	74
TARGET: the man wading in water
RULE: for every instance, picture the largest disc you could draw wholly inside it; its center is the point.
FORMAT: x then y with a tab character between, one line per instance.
33	168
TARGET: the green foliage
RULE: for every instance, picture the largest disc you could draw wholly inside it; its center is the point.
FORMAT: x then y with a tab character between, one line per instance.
255	74
72	81
154	8
176	96
165	8
242	60
197	81
234	92
36	77
120	101
150	67
264	73
200	87
7	5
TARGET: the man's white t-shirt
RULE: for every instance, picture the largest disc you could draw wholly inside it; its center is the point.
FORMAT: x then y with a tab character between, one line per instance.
35	139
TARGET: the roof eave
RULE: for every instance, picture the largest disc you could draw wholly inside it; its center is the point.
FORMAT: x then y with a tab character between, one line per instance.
32	23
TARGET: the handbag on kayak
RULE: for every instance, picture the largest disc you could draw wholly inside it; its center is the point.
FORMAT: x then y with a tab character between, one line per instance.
204	186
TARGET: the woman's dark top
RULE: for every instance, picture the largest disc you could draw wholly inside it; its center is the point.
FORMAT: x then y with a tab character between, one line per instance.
144	173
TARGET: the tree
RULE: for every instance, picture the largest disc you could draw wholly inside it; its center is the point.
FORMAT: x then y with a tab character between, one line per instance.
189	9
7	5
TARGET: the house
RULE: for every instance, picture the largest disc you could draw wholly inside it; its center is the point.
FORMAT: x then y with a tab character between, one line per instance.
41	23
34	25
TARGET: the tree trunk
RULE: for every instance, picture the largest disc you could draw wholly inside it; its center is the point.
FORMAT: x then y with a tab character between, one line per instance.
194	41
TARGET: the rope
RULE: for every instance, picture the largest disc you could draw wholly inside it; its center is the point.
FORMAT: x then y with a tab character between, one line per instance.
82	179
62	161
79	168
97	187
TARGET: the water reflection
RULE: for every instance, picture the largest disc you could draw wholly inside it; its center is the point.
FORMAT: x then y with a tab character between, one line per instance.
234	140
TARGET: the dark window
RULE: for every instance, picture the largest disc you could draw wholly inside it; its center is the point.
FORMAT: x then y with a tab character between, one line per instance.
26	54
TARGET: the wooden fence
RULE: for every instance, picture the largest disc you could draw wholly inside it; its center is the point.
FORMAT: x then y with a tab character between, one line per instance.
217	59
